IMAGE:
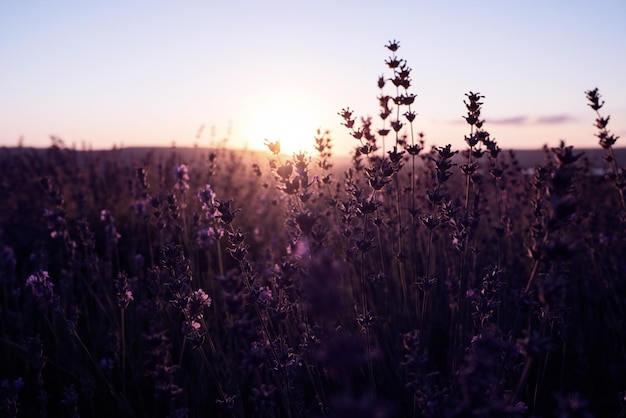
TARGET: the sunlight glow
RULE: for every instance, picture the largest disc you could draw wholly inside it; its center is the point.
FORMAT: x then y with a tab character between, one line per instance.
289	122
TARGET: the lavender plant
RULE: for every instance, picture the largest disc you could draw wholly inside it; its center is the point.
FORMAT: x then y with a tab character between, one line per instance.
409	280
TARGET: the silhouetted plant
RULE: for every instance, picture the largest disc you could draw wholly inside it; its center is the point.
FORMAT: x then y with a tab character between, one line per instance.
409	280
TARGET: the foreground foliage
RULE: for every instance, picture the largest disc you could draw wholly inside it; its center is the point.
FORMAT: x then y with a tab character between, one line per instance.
428	283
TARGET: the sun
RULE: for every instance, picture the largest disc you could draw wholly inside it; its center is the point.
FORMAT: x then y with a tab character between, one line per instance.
280	120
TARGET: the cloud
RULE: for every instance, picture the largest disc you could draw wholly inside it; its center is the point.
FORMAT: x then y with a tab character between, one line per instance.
517	120
523	120
554	120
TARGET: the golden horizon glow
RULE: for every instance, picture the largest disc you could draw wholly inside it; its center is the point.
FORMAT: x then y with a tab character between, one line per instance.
291	123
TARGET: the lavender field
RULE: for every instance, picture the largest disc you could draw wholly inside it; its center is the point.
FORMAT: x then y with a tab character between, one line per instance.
413	281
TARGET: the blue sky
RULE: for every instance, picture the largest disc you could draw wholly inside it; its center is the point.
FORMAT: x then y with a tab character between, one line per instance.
149	73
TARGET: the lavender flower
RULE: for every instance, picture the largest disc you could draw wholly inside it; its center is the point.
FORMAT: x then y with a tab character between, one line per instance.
42	288
207	198
197	302
123	293
207	236
109	226
181	178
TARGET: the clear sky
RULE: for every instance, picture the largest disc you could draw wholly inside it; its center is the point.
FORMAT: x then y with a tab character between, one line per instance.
151	72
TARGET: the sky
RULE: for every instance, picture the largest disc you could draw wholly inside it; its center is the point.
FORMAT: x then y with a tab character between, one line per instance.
157	73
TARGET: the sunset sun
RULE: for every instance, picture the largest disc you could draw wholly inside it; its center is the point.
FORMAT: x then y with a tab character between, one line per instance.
292	124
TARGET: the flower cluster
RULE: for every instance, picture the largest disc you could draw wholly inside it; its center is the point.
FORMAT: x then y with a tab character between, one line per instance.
195	305
181	178
42	289
123	292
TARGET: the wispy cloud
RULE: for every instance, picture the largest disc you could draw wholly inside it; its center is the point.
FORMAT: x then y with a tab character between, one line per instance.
517	120
554	120
523	120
